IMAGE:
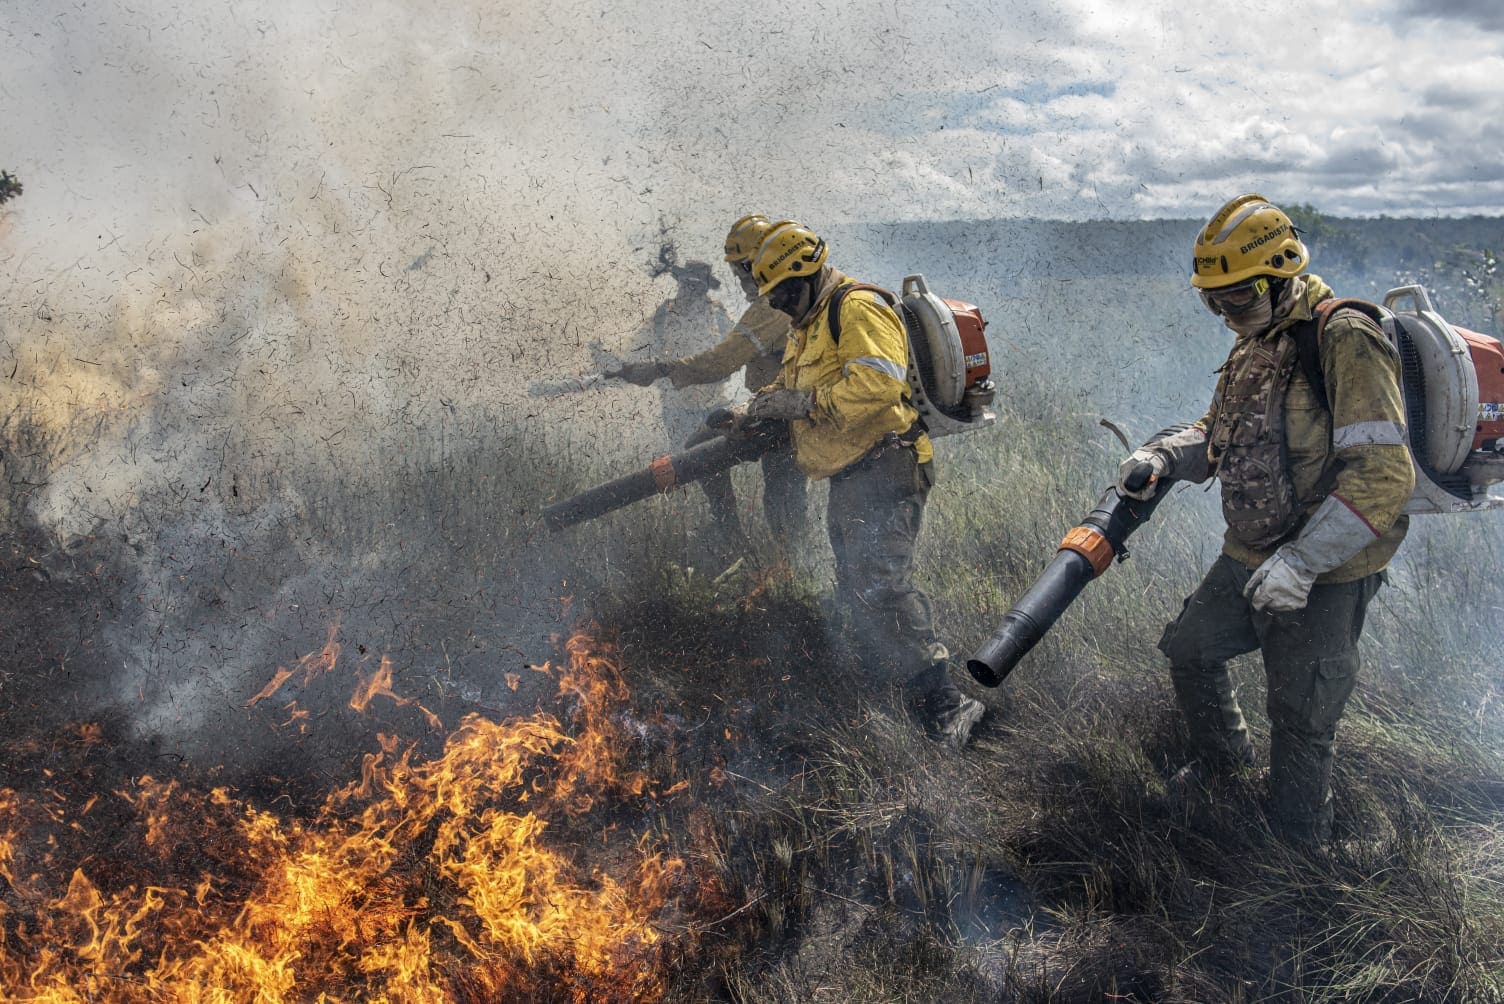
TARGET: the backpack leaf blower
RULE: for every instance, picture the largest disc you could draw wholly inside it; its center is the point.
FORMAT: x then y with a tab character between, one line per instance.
1086	552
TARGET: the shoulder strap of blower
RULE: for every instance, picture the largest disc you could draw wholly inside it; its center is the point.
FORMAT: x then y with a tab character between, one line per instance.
1307	337
833	321
833	312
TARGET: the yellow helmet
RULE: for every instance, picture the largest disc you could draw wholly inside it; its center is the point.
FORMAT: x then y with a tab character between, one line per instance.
1247	237
790	250
744	236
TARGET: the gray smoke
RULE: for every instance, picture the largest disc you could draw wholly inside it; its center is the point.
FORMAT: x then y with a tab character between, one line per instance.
284	271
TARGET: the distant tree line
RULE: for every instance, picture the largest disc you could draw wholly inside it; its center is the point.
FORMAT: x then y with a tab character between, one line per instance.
1455	259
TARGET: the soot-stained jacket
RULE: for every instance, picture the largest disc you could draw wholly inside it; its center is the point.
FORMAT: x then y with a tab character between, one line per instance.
756	342
861	385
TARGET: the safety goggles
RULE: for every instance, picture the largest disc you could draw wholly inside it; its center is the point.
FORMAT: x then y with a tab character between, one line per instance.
1238	299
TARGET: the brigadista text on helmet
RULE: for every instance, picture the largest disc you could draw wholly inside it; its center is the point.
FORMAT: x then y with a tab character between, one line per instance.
789	253
1263	239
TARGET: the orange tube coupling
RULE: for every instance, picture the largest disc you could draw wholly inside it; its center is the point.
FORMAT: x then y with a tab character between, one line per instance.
1090	544
663	473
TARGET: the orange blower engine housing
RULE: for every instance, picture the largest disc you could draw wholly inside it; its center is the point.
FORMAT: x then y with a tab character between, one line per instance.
950	366
972	329
1488	363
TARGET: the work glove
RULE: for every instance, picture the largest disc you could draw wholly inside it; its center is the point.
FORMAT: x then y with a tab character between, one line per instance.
784	403
729	421
1142	455
641	373
1333	534
1282	583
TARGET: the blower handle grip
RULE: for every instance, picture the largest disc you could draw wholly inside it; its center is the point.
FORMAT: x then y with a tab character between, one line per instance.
1139	476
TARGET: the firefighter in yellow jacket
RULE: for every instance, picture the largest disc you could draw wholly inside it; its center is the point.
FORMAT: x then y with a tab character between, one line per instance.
1315	474
755	345
846	399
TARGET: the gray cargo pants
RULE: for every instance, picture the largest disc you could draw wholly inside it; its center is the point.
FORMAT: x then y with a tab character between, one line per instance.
1311	665
875	511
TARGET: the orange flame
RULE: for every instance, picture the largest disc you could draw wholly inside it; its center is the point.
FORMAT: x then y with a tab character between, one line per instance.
462	877
379	684
310	666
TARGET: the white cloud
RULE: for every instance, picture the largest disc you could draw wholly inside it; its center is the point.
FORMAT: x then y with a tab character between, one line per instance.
131	121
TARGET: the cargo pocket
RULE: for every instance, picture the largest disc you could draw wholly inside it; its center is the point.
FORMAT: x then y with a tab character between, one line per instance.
897	472
1330	688
1166	644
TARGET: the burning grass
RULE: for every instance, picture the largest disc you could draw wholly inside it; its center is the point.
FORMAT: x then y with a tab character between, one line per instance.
527	861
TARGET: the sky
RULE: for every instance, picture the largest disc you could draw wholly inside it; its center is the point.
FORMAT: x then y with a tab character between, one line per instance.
133	120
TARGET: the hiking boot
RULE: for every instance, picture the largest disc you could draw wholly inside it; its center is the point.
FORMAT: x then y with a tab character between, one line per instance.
954	727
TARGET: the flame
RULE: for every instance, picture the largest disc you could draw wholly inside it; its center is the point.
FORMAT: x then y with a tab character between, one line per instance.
311	666
463	877
379	684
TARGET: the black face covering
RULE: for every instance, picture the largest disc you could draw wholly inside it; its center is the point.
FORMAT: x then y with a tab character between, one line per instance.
792	296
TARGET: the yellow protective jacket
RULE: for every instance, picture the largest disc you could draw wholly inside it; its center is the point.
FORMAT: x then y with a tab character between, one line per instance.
756	341
1355	449
861	386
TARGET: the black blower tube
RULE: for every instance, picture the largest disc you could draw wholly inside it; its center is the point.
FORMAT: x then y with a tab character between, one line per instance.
1110	524
694	464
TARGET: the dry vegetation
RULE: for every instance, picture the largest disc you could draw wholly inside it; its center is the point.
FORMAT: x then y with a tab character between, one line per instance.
1046	863
843	856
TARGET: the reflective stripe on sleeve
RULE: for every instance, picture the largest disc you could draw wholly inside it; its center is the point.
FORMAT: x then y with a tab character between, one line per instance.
880	364
1368	434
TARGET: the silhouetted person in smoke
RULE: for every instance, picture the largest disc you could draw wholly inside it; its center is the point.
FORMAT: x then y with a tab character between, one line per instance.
680	325
755	346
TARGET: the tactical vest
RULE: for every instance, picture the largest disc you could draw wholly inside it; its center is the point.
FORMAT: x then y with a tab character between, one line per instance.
1246	443
1247	446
